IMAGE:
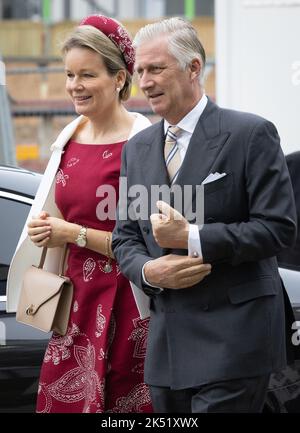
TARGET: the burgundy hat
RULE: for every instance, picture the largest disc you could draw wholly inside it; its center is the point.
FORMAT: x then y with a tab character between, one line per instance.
116	33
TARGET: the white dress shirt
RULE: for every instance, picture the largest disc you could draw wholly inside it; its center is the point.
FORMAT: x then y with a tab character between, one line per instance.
188	125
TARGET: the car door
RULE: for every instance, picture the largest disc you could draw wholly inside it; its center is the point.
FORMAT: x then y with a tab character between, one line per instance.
21	347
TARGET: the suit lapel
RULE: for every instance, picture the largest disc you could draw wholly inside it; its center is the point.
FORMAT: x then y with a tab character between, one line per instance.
154	171
154	167
204	147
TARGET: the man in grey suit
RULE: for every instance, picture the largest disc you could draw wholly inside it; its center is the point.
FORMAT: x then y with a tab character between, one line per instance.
217	312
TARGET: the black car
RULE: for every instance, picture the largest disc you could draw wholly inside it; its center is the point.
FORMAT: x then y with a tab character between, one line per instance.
284	392
22	347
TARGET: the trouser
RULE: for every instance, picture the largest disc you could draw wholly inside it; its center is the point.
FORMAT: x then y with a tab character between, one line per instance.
230	396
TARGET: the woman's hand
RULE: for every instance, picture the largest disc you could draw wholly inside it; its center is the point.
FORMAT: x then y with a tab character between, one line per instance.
49	231
39	230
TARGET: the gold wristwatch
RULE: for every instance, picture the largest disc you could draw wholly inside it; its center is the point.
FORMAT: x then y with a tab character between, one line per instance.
81	240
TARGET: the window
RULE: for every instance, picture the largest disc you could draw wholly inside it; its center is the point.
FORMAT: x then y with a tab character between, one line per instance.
203	8
20	9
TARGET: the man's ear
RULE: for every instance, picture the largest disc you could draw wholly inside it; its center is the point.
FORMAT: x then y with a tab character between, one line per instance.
195	68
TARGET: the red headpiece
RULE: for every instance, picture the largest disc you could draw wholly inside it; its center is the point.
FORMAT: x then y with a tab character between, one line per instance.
116	33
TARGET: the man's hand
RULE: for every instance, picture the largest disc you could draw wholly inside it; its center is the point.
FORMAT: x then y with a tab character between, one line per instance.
170	228
176	272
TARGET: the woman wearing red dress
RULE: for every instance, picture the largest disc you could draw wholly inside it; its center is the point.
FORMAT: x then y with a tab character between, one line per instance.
98	365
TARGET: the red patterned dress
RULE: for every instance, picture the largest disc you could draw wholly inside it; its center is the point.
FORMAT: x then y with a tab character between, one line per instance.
98	365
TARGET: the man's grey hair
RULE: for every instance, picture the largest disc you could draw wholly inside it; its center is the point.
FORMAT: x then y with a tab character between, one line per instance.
184	43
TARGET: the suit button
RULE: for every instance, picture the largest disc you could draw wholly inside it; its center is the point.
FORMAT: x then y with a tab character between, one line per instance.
146	230
205	307
210	220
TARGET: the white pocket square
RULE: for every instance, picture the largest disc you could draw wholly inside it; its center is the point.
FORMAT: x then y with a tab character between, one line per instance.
212	177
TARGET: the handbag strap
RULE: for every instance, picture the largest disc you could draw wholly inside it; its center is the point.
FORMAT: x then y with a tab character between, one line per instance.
62	262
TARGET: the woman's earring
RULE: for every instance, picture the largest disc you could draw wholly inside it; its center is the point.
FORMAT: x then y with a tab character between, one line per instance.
118	89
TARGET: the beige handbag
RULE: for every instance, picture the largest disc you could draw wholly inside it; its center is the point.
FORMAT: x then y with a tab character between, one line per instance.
45	298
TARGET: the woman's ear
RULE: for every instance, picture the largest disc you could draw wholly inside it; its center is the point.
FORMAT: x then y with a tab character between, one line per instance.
120	79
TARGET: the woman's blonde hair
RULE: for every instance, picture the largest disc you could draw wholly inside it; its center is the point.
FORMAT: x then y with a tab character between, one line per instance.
89	37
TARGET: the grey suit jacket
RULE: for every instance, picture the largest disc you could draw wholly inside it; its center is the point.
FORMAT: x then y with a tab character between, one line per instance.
231	324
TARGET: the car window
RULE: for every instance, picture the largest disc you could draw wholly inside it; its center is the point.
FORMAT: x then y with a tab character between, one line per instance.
12	218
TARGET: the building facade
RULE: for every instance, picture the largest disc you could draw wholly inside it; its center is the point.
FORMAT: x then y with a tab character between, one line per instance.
60	10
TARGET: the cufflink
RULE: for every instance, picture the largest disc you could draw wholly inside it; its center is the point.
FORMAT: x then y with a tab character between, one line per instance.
195	254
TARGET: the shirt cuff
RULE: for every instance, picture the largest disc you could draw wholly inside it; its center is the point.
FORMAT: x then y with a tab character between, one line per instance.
144	278
194	242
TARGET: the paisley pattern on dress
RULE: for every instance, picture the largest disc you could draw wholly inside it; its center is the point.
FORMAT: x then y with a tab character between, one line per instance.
62	178
59	347
98	365
139	335
73	161
88	269
138	397
80	383
100	321
107	154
